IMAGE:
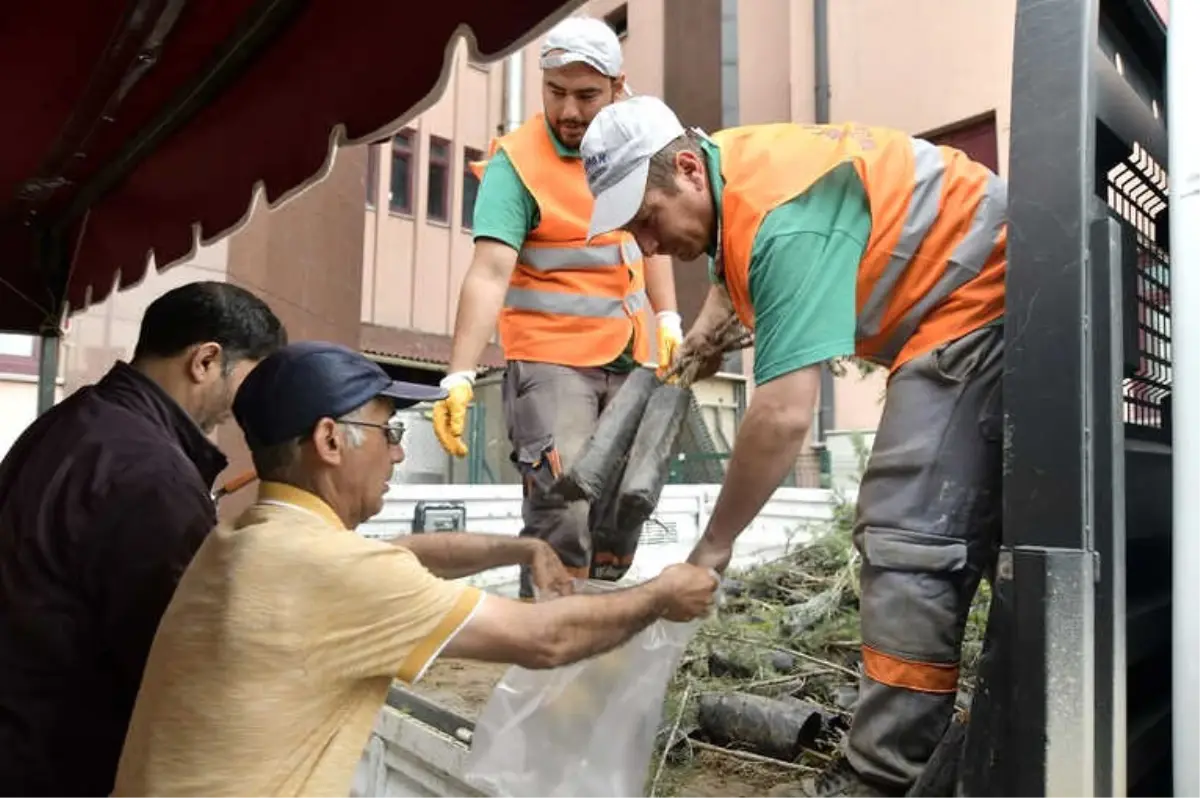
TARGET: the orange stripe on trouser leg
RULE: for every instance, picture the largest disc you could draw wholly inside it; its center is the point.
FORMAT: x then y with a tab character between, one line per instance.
924	677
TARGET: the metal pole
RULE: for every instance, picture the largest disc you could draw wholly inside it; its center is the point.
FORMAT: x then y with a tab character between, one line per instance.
514	106
1183	125
821	61
47	372
731	100
733	362
825	406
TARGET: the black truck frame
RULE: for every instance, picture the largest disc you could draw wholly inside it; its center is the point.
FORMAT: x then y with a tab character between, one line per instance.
1076	688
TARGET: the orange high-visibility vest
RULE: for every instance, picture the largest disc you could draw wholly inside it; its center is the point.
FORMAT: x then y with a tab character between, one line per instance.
569	301
933	268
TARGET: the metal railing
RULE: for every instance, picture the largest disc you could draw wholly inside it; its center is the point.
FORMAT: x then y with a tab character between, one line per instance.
811	469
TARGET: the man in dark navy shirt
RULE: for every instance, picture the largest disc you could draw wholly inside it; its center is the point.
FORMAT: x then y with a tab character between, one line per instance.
103	501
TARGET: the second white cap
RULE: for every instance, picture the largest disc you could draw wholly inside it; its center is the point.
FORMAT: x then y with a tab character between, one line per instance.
582	39
616	152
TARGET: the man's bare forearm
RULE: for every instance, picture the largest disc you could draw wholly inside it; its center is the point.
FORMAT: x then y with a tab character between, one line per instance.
660	284
479	302
451	555
768	442
479	305
578	627
716	310
764	452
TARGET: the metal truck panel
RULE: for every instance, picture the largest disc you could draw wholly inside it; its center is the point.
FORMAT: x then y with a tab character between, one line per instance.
1082	616
412	757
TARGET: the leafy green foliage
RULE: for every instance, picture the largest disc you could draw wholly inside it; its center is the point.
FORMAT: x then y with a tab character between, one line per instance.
788	627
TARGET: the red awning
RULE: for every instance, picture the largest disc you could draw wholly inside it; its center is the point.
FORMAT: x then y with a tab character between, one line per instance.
127	122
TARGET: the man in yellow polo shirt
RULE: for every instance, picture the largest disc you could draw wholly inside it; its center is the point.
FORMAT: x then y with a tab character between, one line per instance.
278	647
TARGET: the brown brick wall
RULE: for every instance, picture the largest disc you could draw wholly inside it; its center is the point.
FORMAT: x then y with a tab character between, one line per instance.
305	259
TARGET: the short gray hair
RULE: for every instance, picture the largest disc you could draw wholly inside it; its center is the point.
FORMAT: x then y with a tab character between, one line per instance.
277	462
662	163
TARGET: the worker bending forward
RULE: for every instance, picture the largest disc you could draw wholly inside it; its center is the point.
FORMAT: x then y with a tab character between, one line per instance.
830	241
573	315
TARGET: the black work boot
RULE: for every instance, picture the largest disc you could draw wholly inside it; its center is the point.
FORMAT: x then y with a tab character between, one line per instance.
839	779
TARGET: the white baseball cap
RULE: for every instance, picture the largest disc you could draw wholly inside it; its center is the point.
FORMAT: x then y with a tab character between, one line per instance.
586	40
616	152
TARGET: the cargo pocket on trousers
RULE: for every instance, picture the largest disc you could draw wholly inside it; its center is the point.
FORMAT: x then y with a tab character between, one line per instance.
903	550
528	410
539	464
910	593
955	362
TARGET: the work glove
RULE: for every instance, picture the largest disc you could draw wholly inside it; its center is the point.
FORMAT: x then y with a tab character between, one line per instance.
670	336
450	414
698	351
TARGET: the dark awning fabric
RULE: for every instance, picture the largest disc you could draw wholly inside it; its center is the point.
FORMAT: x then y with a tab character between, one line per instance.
127	123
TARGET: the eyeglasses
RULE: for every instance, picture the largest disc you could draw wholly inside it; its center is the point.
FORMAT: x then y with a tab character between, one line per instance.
393	431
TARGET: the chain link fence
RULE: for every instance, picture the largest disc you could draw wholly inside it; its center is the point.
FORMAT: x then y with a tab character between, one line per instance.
700	454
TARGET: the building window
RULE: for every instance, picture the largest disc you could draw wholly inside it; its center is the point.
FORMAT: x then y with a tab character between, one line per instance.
618	20
18	354
470	187
438	197
372	175
401	196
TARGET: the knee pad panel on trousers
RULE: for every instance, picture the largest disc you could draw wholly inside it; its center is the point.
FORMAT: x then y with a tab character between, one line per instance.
912	594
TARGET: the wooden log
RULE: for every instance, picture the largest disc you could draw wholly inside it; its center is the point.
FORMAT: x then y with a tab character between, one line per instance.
774	728
610	441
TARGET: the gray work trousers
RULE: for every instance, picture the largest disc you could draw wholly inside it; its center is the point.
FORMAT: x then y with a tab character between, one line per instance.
551	411
928	528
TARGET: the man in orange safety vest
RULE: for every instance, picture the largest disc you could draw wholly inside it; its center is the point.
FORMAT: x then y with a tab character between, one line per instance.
573	315
832	241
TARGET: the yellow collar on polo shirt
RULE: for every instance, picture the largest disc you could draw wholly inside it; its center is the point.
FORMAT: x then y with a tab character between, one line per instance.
280	494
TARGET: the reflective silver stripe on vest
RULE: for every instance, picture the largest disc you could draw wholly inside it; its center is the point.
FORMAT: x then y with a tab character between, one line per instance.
637	301
546	259
574	304
928	169
964	265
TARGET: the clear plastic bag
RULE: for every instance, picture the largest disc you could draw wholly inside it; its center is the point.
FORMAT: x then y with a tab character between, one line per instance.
586	729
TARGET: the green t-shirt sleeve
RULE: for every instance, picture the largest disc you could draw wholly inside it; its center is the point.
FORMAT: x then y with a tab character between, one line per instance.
504	208
803	272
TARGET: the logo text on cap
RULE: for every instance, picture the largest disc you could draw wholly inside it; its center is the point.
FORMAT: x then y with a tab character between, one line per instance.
594	162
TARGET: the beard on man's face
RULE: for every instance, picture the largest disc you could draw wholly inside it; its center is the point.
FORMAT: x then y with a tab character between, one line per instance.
216	408
570	132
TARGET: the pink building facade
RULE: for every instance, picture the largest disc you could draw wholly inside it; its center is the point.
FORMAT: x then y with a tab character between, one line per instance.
373	256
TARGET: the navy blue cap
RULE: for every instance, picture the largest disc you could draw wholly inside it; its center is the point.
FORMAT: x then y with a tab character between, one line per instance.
286	394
